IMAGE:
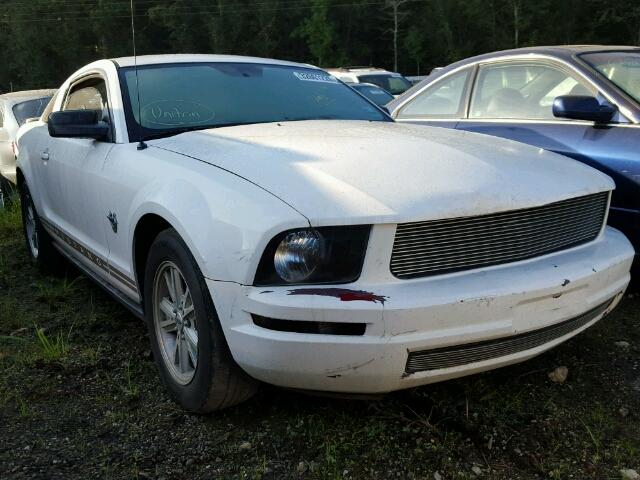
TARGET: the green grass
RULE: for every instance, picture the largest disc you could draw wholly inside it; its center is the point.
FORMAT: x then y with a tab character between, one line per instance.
52	348
81	388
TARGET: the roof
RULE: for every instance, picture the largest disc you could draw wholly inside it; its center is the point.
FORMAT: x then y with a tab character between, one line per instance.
556	50
28	94
195	58
564	52
365	84
353	69
367	70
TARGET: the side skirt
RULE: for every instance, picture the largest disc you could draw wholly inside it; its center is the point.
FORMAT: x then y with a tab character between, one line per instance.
131	305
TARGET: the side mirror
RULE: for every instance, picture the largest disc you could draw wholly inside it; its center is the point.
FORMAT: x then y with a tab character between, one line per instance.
78	124
580	107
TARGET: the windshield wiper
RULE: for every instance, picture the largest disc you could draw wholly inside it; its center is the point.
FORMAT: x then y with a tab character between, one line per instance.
175	131
178	131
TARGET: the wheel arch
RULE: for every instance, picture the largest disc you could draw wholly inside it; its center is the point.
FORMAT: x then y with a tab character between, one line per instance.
147	229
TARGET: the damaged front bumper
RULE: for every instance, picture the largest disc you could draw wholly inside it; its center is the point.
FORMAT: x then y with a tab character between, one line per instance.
423	330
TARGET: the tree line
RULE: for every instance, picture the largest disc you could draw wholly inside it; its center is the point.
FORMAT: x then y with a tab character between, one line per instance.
43	41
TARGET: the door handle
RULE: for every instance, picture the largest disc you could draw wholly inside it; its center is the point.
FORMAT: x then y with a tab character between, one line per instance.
45	155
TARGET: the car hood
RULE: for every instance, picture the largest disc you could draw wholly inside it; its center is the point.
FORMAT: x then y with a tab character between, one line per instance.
337	172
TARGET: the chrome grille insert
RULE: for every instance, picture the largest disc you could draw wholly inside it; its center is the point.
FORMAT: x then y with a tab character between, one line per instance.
458	355
443	246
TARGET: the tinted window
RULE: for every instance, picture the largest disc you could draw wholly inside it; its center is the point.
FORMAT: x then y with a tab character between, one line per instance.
444	99
29	109
393	83
175	97
522	90
622	68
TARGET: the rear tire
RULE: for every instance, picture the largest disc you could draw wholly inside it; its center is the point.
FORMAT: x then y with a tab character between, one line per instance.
188	344
39	243
7	192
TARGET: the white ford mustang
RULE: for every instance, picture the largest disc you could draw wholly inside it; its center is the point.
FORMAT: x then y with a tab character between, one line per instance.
271	224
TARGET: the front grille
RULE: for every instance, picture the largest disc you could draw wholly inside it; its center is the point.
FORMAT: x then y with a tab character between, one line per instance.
442	246
458	355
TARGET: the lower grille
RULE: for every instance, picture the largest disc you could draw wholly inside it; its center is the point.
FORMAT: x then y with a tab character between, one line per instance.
458	355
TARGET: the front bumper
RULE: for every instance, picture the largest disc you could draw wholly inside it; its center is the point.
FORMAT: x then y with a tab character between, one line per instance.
405	316
628	222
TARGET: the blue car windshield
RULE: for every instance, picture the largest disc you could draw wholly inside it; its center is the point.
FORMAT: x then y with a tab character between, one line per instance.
191	96
621	68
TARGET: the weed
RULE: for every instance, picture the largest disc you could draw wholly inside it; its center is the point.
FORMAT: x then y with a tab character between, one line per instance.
131	389
11	338
54	348
53	290
10	219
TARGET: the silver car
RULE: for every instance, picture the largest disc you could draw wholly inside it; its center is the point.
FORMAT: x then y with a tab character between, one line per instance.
15	109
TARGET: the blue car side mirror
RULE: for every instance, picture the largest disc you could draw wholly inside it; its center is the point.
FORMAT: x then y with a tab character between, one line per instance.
581	107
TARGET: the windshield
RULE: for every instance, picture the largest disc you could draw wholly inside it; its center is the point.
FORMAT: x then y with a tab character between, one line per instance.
621	68
29	109
190	96
393	83
373	93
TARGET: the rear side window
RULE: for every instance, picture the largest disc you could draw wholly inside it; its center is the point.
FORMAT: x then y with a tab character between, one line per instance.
444	99
29	109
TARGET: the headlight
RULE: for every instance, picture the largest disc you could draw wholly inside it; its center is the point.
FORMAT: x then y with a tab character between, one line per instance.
314	255
299	255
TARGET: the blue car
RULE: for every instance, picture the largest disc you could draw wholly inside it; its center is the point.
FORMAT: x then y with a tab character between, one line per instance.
579	101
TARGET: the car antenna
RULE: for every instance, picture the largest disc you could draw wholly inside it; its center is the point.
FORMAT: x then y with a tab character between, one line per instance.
141	144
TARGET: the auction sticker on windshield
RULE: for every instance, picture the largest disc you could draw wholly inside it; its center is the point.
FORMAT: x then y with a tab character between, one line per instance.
315	77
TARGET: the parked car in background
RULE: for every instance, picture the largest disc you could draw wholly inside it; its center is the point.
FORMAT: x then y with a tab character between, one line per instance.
580	101
15	109
377	95
271	224
392	82
416	78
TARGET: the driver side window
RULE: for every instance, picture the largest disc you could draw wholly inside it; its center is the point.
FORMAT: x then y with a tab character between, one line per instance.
522	90
88	95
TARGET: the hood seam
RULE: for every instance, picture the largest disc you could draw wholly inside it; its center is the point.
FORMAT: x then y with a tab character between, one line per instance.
237	175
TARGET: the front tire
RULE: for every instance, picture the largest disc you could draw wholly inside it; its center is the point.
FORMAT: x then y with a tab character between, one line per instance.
188	344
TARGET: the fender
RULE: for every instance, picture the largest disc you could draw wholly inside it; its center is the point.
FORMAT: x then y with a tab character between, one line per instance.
225	220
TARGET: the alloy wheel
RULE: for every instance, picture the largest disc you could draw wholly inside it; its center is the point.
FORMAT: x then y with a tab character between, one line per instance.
32	231
175	322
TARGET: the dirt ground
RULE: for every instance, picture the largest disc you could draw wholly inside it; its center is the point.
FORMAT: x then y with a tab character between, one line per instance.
80	398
